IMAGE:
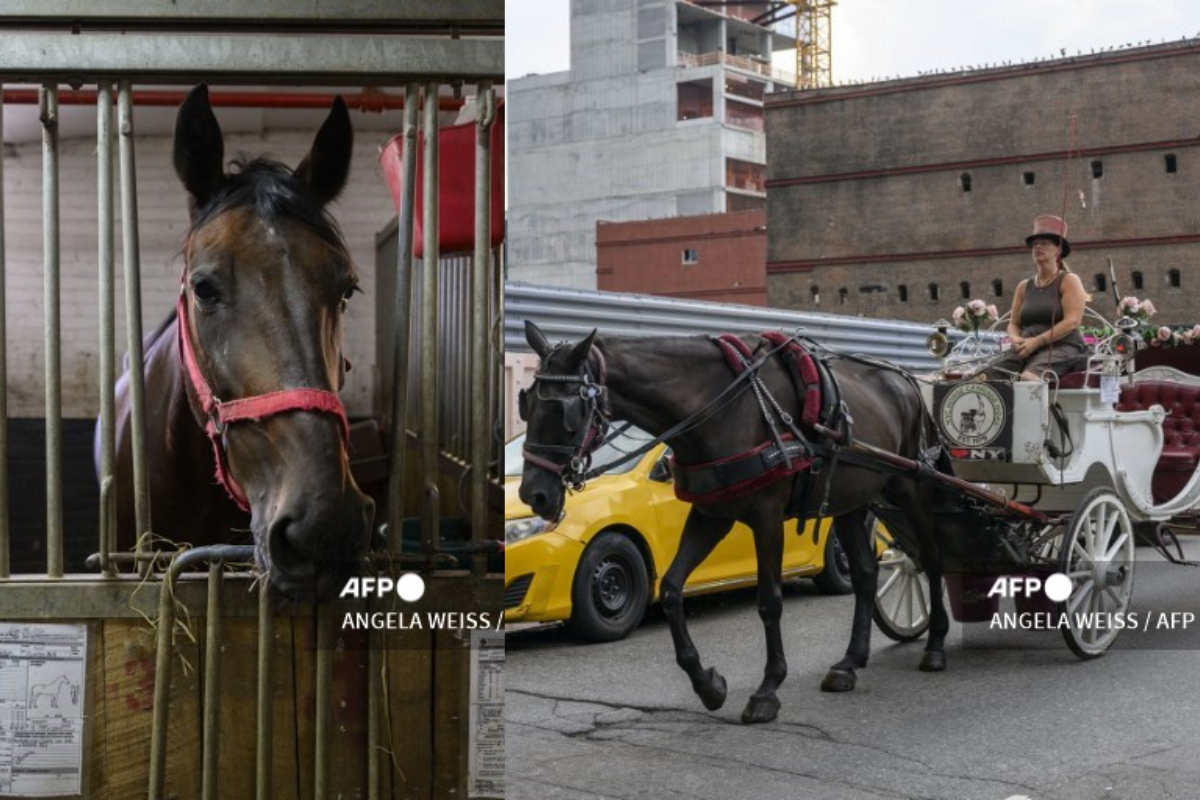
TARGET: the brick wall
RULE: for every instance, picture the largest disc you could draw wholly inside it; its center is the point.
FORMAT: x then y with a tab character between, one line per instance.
365	207
728	253
866	184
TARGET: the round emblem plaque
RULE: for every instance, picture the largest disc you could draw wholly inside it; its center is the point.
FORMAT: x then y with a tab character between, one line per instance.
972	414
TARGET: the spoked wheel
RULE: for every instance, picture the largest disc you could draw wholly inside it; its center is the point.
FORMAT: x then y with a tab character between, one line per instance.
1097	555
902	594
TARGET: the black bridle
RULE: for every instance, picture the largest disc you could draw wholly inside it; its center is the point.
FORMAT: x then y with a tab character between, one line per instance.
586	413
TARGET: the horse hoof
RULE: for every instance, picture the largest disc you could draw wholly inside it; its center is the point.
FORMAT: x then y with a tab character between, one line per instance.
712	689
760	710
933	661
839	680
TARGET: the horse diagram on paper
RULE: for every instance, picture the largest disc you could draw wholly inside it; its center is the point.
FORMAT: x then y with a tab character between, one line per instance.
42	678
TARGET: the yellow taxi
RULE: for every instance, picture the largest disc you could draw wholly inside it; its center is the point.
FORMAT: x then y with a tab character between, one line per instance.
602	564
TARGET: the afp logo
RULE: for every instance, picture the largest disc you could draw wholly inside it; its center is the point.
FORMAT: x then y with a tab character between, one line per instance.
1056	587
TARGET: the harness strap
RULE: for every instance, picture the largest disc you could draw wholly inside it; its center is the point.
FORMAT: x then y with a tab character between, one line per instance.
219	414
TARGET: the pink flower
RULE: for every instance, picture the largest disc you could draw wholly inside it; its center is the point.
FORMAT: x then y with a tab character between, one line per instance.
1148	308
1196	332
958	315
977	307
1164	333
1130	305
993	312
1188	337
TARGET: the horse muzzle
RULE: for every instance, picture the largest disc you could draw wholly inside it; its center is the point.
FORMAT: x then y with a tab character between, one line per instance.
313	545
543	493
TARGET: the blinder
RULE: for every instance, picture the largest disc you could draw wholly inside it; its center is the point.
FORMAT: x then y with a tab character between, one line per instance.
584	415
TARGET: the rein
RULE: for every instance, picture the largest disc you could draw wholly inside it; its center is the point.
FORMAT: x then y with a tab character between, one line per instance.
577	470
218	413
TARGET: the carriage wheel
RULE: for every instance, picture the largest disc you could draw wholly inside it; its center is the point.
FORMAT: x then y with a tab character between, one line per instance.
1097	555
902	595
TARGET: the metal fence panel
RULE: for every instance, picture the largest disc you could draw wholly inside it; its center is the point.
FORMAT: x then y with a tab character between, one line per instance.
573	313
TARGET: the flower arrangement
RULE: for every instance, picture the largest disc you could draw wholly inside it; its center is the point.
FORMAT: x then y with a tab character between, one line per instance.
1178	336
1141	310
1154	336
974	315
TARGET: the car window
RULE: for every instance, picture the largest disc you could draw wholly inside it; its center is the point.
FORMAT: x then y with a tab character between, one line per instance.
629	440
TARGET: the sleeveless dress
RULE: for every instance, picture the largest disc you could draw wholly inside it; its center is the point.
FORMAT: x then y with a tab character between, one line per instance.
1040	310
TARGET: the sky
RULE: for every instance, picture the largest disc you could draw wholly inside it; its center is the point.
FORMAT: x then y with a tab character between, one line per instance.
878	39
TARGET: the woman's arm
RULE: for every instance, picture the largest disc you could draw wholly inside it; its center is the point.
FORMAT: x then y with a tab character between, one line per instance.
1014	318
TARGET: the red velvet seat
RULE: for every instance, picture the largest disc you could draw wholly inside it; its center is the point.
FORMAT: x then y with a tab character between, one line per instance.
1181	431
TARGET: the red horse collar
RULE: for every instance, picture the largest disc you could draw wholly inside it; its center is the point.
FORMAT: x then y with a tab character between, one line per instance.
220	413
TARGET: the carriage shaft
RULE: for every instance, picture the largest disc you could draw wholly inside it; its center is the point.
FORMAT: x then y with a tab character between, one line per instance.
875	455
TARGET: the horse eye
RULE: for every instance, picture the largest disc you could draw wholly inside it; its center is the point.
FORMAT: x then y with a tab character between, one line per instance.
206	292
349	293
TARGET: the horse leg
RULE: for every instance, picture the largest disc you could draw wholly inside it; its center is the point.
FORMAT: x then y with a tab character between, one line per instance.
864	571
917	504
768	547
700	535
934	657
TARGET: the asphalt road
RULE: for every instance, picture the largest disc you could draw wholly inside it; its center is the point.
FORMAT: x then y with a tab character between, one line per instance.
1015	716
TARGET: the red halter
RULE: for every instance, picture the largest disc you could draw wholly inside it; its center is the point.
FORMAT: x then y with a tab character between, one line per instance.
219	413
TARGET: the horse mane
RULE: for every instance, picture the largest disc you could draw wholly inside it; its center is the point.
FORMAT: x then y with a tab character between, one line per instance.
273	191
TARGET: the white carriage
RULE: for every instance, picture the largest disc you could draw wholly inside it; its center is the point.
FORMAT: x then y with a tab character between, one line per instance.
1084	463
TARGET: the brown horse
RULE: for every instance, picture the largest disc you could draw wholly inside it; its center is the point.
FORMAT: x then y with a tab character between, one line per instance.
659	383
244	372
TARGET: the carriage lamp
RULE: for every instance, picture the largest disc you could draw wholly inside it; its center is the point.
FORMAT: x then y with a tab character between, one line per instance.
1125	343
938	343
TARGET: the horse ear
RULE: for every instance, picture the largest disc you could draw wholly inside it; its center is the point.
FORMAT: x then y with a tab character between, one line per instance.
579	352
327	164
537	340
199	147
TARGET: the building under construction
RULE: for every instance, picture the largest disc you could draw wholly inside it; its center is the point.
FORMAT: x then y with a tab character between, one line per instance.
660	115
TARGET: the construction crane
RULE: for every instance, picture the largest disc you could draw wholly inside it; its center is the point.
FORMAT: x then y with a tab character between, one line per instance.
814	49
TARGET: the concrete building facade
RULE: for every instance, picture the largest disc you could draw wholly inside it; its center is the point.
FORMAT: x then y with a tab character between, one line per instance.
901	199
660	115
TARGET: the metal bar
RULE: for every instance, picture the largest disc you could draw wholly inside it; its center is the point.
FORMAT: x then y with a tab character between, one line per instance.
133	310
273	60
311	12
480	286
164	652
212	684
374	705
324	727
266	651
53	341
402	321
104	204
368	100
5	532
430	517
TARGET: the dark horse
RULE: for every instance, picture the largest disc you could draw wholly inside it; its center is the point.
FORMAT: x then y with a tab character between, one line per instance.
656	383
244	372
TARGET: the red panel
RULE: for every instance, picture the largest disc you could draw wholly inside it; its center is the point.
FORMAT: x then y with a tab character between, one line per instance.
456	201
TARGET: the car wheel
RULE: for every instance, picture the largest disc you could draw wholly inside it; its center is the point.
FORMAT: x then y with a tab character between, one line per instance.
610	591
835	578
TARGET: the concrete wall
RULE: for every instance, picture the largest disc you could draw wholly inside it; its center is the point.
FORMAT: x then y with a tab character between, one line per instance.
602	142
865	182
365	207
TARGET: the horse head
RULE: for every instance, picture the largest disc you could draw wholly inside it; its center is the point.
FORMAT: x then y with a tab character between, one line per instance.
266	283
566	411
